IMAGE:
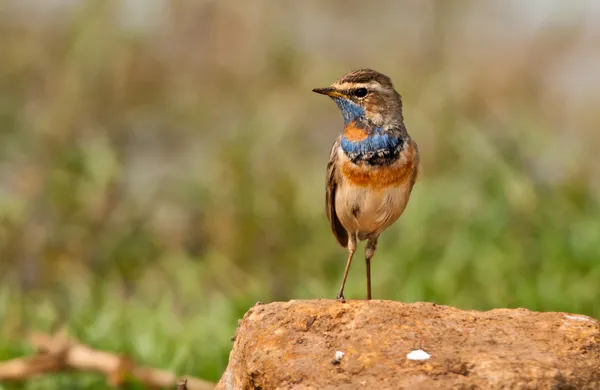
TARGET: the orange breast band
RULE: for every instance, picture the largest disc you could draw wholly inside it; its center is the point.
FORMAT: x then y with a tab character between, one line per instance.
353	133
384	176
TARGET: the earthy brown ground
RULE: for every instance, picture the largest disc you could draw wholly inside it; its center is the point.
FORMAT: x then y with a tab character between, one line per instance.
292	345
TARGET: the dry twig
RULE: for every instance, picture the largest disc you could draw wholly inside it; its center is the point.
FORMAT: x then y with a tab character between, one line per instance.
60	353
182	384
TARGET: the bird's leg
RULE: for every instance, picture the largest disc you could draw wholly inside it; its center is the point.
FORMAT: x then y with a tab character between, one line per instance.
351	250
369	252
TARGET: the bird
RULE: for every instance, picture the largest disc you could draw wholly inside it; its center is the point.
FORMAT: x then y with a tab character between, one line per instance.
373	164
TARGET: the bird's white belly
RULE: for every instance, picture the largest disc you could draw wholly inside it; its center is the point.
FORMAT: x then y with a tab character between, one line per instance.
366	211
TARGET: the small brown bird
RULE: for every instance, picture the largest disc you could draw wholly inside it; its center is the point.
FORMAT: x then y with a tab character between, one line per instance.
373	164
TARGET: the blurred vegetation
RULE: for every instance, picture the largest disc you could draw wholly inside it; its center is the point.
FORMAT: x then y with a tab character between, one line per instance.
162	165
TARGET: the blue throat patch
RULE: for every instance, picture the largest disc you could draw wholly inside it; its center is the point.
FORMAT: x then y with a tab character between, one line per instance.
377	141
350	110
374	143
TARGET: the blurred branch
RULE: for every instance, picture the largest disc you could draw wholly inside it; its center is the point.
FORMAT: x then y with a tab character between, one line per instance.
59	353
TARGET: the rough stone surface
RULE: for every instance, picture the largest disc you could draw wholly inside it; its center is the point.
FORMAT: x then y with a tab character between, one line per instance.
293	345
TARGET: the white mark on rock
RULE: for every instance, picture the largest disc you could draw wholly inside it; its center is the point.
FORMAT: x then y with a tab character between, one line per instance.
576	318
418	354
338	357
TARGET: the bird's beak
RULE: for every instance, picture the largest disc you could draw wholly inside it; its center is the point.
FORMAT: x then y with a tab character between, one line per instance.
329	91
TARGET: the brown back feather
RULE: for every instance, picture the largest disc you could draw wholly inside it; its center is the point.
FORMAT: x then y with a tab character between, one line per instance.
331	186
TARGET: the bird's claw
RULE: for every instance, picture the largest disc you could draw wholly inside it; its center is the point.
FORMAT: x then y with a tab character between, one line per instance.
340	298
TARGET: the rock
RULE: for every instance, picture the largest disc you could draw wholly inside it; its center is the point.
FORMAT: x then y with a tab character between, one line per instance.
325	344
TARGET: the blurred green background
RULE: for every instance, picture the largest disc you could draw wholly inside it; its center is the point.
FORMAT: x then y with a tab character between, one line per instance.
162	164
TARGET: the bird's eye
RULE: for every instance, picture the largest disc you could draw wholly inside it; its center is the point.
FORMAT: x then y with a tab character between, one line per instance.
360	92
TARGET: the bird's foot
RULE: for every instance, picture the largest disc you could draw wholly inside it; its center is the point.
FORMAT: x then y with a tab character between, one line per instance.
340	297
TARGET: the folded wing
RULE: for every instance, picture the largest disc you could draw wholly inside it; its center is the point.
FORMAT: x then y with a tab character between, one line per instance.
331	186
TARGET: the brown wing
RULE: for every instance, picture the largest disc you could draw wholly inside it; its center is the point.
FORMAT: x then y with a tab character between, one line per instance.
331	186
417	160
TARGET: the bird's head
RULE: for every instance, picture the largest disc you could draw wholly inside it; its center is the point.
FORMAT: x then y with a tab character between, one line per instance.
366	96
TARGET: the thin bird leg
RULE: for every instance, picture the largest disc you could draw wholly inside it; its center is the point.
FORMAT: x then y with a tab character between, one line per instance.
351	250
369	252
368	279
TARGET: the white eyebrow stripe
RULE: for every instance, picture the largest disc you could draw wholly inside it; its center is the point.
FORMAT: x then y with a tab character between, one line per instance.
371	85
375	86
